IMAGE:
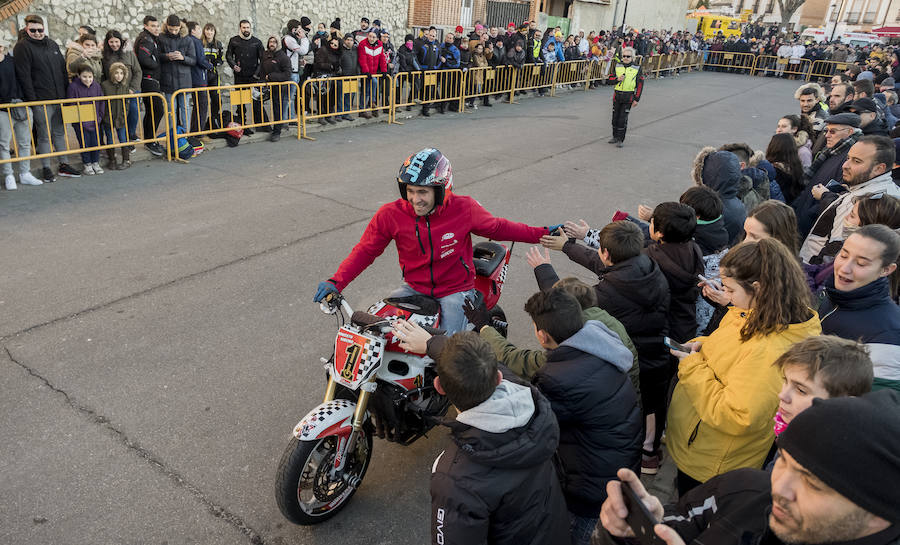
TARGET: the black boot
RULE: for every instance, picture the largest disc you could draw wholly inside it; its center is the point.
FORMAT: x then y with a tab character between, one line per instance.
487	102
425	111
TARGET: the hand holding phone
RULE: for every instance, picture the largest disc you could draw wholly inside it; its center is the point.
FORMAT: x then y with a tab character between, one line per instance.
639	518
676	346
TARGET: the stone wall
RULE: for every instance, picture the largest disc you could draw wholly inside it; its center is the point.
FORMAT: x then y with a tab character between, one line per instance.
268	16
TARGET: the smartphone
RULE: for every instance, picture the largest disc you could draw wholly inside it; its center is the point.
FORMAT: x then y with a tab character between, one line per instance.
709	282
639	518
676	346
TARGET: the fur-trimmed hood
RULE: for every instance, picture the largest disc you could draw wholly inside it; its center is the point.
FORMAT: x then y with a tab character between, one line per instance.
718	170
801	138
820	92
757	156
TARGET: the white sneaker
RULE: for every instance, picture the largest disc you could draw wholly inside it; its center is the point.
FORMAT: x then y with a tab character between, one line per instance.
97	169
88	169
10	182
28	179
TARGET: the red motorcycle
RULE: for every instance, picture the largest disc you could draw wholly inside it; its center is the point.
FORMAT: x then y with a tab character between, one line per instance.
374	388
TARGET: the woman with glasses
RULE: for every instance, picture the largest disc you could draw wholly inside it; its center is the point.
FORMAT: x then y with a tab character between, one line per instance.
629	82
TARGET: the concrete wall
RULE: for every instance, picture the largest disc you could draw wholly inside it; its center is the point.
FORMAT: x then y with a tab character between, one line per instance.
268	16
649	14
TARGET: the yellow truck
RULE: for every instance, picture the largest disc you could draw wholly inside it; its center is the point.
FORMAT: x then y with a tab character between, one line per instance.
712	25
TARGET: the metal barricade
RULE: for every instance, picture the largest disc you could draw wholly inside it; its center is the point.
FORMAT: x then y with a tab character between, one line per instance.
82	125
727	61
599	71
335	98
573	73
429	87
825	69
780	66
534	77
485	81
269	105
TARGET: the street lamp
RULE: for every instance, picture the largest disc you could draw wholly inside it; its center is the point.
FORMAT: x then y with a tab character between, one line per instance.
624	12
836	20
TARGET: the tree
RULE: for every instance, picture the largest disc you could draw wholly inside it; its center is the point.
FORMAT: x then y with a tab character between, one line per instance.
787	8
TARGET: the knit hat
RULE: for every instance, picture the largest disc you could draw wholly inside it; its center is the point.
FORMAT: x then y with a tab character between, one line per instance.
852	444
364	19
336	24
376	22
888	82
459	29
848	118
864	104
305	22
511	25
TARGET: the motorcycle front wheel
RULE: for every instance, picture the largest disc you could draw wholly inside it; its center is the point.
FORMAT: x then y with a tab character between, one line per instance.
305	490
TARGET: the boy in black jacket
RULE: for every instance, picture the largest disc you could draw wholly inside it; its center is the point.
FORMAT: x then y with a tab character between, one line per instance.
633	289
495	482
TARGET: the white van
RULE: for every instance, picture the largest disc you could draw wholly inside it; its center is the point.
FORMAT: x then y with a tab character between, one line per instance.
858	39
816	34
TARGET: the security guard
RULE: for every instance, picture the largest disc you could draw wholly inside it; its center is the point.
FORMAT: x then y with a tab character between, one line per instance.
629	80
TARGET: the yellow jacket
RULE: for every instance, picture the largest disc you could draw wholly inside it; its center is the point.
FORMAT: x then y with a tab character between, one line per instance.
721	413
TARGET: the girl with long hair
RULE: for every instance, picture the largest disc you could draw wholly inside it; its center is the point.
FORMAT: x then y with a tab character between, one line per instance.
782	153
801	129
773	219
720	417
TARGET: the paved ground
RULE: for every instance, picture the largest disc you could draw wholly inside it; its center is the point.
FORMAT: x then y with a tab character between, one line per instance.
158	338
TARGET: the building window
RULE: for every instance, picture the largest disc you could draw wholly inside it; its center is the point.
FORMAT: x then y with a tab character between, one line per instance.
756	7
897	18
871	11
852	15
770	6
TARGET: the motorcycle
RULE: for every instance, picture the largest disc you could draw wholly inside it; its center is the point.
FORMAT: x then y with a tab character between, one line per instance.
374	388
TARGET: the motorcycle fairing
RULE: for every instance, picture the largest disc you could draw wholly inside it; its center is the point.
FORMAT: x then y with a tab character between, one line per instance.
333	417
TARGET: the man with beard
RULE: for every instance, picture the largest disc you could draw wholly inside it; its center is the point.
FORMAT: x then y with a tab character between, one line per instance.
869	120
866	170
842	94
243	55
827	486
810	96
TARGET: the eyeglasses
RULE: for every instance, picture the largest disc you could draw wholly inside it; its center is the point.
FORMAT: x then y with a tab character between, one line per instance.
835	131
35	30
876	196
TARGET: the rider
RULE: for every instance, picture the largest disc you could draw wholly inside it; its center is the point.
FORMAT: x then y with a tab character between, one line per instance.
432	228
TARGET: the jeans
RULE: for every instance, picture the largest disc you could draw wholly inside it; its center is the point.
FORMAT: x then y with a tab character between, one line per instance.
370	93
51	113
290	104
200	104
22	132
581	528
132	118
344	101
87	138
279	103
452	317
182	110
121	134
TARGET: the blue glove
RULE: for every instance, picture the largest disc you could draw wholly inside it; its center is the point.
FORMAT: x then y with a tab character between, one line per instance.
552	228
324	289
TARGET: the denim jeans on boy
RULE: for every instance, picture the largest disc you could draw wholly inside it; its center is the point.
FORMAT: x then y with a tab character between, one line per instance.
581	528
87	138
452	317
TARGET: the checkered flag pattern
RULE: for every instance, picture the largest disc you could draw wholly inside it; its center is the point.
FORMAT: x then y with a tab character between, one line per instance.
505	268
371	355
308	426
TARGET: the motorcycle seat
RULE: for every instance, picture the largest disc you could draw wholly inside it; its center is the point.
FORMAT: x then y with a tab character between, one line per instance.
417	304
487	256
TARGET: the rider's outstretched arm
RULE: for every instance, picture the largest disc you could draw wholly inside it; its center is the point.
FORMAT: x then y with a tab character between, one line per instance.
484	224
374	240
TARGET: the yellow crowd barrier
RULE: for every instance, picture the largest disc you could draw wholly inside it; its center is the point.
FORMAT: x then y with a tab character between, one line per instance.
826	69
485	81
534	77
599	71
573	73
250	105
726	61
780	66
328	98
58	128
443	88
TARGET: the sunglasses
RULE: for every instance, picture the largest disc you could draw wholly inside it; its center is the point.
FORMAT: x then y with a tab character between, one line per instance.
35	30
626	56
876	196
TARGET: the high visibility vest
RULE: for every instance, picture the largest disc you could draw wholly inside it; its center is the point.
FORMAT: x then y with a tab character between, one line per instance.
629	83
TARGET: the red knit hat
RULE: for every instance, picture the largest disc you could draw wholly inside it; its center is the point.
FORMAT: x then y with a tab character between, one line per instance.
459	29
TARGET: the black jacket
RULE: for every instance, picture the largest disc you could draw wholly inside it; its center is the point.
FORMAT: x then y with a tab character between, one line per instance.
406	58
276	66
500	488
680	263
244	53
636	293
146	48
9	84
327	62
600	425
176	75
41	69
711	237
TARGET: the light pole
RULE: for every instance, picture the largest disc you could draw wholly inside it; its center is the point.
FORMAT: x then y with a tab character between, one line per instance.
837	19
624	12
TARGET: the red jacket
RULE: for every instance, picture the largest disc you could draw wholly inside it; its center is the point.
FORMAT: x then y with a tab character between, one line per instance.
372	59
435	251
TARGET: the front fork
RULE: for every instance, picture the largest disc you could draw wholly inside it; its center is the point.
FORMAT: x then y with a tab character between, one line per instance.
359	416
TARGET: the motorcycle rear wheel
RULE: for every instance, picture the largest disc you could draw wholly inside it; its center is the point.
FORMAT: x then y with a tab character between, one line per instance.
304	490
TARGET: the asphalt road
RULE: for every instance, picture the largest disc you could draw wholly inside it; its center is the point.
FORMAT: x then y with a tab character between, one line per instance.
158	337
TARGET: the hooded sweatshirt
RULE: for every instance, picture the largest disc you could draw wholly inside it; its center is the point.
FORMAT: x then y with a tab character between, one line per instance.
600	424
720	417
496	479
721	171
118	109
